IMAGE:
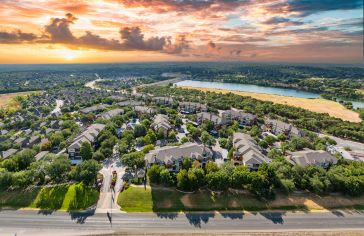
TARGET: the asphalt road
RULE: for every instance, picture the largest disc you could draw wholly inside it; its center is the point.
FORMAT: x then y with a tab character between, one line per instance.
63	223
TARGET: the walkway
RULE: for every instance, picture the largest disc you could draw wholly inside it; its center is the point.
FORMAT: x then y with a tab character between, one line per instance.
108	198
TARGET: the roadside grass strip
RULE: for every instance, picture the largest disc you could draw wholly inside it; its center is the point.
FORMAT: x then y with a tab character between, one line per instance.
63	197
155	199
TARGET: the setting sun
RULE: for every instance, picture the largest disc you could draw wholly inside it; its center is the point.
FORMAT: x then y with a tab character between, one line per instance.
68	55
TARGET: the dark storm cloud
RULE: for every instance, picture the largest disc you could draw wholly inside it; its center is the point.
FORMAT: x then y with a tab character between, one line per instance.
131	38
134	39
16	37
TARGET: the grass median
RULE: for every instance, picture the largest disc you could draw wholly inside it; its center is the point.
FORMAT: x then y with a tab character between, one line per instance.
63	197
136	199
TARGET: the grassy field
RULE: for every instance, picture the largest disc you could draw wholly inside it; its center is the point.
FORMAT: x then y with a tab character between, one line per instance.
319	105
63	197
137	199
8	100
18	199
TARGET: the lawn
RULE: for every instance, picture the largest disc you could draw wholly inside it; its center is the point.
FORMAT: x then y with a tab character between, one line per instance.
63	197
318	105
18	198
136	199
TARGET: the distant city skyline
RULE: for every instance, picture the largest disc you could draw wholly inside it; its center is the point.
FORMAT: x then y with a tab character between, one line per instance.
80	31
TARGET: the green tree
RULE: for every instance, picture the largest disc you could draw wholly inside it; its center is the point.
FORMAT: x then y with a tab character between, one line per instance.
59	169
154	174
166	178
207	139
263	144
211	167
140	130
186	163
86	151
133	159
270	139
56	139
160	133
281	137
260	185
184	140
5	179
172	135
148	148
183	182
240	177
86	172
152	135
21	179
98	156
218	180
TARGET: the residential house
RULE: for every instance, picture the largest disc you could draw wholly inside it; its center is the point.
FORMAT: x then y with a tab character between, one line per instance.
161	122
41	155
191	107
110	114
118	98
56	114
163	100
172	156
131	124
144	110
119	131
89	135
279	127
202	116
247	152
130	103
6	154
311	157
242	117
4	132
22	141
49	130
33	141
94	109
43	141
55	124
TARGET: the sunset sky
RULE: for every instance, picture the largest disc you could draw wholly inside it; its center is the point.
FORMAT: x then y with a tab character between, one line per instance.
72	31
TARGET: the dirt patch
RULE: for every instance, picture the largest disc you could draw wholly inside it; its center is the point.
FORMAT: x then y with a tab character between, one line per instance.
315	202
187	201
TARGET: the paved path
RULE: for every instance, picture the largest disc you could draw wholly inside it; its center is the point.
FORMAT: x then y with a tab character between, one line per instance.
61	223
345	143
59	105
108	197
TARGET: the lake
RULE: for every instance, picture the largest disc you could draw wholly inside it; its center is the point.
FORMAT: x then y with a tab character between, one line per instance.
257	89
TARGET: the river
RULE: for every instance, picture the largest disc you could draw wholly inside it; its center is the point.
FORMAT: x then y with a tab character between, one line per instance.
257	89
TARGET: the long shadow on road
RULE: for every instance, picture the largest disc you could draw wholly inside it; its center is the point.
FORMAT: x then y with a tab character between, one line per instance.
196	219
275	217
80	217
233	216
170	216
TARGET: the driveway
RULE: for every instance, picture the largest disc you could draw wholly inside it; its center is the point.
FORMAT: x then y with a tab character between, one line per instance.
184	128
108	197
220	153
345	143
